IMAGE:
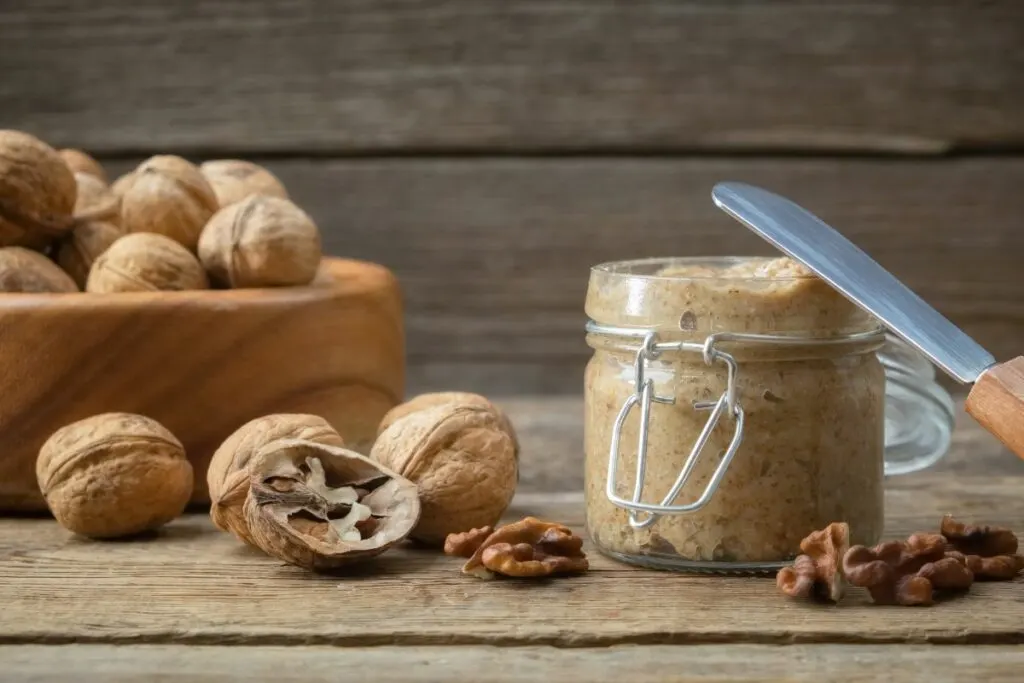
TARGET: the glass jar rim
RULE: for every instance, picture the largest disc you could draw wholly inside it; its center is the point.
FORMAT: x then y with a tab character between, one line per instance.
633	269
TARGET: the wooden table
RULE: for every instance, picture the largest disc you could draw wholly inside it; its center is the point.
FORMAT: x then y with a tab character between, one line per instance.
191	604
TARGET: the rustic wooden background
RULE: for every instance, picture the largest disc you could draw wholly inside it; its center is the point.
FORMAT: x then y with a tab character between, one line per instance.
490	151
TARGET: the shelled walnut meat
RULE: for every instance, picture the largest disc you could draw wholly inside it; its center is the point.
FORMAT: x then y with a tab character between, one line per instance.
321	507
818	572
227	477
169	196
114	474
529	548
235	179
37	192
261	241
24	270
990	552
145	262
463	461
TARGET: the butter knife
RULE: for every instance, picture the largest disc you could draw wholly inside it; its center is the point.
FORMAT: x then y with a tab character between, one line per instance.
996	399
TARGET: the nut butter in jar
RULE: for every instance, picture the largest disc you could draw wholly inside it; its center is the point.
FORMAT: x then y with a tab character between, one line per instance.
732	406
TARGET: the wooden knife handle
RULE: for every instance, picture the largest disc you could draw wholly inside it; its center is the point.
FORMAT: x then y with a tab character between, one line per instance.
997	402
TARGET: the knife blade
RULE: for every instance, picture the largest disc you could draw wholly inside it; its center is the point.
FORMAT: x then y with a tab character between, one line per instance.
808	239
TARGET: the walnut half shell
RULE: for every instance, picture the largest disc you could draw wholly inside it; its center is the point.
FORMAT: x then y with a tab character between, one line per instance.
320	507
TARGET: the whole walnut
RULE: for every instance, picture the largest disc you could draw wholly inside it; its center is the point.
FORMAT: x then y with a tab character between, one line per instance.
433	399
80	162
228	475
24	270
37	192
261	241
169	196
114	474
94	200
80	249
145	262
463	461
233	180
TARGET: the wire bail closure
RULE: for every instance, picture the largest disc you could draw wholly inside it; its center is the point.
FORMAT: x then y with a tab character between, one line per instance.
643	515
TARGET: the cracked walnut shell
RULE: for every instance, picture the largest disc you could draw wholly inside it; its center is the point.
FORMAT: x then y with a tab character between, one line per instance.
168	196
227	477
529	548
321	507
463	461
24	270
145	262
261	241
234	179
37	192
114	474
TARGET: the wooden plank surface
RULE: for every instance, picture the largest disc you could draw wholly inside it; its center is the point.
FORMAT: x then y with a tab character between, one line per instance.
488	664
357	76
494	254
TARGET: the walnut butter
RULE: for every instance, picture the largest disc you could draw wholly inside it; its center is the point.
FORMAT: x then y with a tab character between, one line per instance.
733	406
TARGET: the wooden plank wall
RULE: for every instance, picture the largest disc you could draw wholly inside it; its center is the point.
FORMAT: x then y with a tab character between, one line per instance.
490	151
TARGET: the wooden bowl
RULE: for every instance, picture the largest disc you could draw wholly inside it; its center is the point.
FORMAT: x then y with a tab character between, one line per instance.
201	363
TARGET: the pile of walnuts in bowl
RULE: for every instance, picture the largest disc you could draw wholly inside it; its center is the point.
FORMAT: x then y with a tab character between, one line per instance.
167	225
442	472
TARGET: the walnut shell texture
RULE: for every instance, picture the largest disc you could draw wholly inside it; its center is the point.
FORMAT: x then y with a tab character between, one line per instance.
234	179
321	507
37	192
95	200
145	262
461	459
80	162
114	474
438	398
80	249
227	477
261	241
169	196
24	270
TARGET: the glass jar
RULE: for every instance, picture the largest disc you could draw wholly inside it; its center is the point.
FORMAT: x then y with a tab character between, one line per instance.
732	406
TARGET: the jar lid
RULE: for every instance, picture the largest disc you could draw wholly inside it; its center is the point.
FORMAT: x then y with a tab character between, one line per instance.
919	413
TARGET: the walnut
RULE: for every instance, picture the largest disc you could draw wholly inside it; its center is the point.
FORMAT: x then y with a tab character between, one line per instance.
529	548
462	460
989	552
80	162
168	196
320	507
114	474
464	544
818	572
431	400
261	242
94	200
233	180
228	474
145	262
80	249
37	192
906	573
24	270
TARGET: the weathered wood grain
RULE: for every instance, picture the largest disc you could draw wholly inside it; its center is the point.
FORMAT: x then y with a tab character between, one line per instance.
494	254
358	76
488	664
193	585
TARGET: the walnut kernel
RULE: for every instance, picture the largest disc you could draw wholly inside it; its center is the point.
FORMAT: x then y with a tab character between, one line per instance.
462	460
261	241
529	548
228	474
145	262
819	570
114	474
